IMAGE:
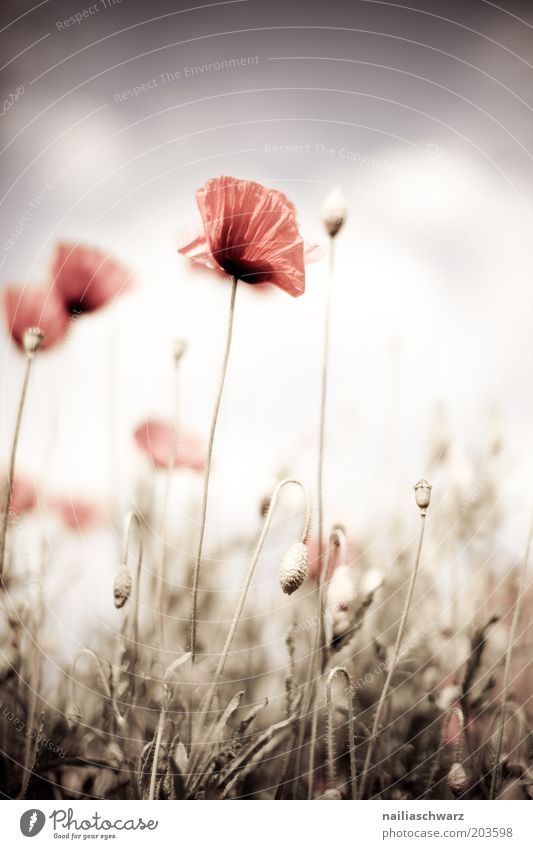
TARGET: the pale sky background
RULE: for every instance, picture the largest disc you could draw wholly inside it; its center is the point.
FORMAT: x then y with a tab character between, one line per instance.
424	118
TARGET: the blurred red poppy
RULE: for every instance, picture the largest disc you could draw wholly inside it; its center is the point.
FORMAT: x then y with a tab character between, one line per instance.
78	515
250	233
163	446
30	307
87	279
23	496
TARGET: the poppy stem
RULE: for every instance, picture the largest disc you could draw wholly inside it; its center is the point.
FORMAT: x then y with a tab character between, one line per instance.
496	772
376	725
246	586
349	691
198	561
313	657
338	547
11	473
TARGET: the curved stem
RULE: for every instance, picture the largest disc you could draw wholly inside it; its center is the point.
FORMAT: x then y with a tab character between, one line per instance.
162	538
337	545
91	655
11	472
205	496
249	575
349	691
507	668
385	691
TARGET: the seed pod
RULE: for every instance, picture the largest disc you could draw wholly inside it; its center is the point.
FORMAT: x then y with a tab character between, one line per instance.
73	715
294	568
33	338
422	494
457	779
122	586
334	212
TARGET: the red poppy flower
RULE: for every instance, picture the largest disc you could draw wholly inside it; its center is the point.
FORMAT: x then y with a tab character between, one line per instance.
162	445
87	279
30	307
250	233
23	495
78	515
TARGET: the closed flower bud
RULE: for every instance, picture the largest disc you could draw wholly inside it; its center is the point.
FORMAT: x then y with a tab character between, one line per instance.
122	586
180	346
73	715
422	494
457	779
334	212
341	589
33	338
294	568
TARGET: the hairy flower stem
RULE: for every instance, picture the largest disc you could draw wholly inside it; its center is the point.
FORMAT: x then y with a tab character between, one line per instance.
337	547
314	658
198	560
376	725
161	564
248	579
496	772
11	473
349	691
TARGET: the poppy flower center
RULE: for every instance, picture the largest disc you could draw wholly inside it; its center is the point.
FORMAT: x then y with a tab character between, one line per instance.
249	271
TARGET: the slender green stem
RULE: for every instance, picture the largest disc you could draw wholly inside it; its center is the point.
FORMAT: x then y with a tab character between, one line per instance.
11	472
376	725
507	668
349	691
205	496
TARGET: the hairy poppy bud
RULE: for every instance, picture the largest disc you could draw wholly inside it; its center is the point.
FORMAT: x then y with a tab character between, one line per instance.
294	568
422	494
33	338
122	586
180	346
457	779
334	212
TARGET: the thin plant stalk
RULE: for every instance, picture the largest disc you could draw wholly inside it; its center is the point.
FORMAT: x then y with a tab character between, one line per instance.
337	545
248	579
507	667
133	519
12	460
161	565
155	758
34	685
376	725
349	691
205	496
307	697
